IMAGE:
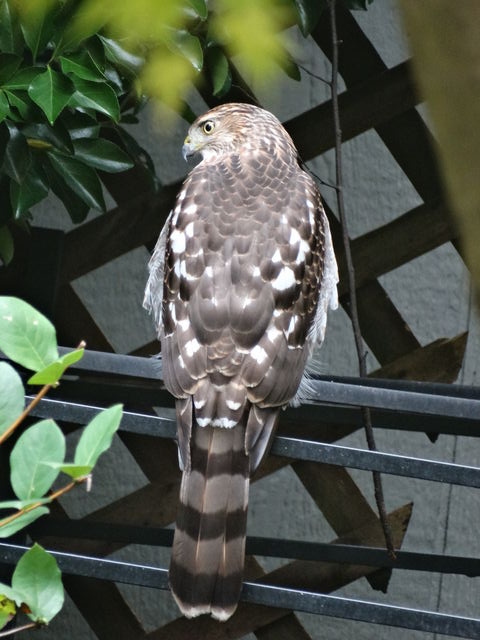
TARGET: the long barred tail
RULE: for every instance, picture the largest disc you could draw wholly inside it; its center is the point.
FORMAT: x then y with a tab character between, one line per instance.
206	567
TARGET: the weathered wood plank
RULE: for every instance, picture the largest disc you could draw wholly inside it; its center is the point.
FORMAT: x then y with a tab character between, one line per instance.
366	105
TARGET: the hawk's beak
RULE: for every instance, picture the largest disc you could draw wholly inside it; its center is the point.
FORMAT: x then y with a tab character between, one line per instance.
188	148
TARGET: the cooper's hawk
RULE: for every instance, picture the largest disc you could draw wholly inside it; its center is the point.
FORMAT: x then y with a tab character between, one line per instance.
240	282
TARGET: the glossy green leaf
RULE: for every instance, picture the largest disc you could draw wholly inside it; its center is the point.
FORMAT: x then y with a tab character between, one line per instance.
6	245
22	521
308	14
200	8
122	58
26	336
11	396
56	135
76	207
11	40
219	71
17	158
81	64
53	372
188	46
23	78
97	436
37	579
102	154
81	179
80	125
37	28
73	470
23	196
95	95
41	443
9	63
4	106
52	92
22	103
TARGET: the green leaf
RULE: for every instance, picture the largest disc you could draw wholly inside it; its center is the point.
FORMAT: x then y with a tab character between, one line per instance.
82	65
122	58
9	63
22	504
6	245
22	521
219	71
52	92
11	397
308	14
39	444
73	470
41	132
37	579
188	46
81	179
7	605
97	436
98	96
32	190
53	372
102	154
26	336
11	40
23	78
37	28
80	125
200	8
75	206
23	104
4	106
17	159
289	66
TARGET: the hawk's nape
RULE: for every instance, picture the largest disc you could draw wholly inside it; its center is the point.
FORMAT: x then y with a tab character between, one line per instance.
240	283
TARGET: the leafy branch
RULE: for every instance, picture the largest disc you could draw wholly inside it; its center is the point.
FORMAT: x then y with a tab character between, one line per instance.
37	459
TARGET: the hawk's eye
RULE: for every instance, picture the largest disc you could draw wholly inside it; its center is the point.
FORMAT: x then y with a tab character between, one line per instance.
208	126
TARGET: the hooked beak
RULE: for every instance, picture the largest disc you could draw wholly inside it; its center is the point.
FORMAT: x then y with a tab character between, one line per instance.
188	148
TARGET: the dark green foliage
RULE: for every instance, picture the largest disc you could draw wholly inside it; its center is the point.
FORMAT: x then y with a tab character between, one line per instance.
57	101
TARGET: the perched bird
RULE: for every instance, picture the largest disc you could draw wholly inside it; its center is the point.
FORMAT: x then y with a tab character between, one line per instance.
240	282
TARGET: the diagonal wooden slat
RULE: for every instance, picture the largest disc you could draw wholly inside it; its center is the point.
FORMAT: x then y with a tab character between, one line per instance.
406	135
363	106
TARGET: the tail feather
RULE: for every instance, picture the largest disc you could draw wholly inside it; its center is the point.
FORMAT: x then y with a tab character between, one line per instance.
208	552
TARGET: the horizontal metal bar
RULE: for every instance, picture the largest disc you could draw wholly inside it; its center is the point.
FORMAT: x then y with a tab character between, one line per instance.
399	395
262	593
263	546
283	446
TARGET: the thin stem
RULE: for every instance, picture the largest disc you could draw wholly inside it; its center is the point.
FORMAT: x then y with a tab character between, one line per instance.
361	353
6	434
35	505
25	627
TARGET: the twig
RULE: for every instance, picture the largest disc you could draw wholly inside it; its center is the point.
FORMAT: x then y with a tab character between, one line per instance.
6	434
25	627
43	391
35	505
361	353
314	75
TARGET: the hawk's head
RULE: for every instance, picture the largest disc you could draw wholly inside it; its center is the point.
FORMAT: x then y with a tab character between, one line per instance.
234	127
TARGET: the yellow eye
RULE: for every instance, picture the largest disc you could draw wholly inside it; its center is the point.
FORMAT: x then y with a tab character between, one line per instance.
208	127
